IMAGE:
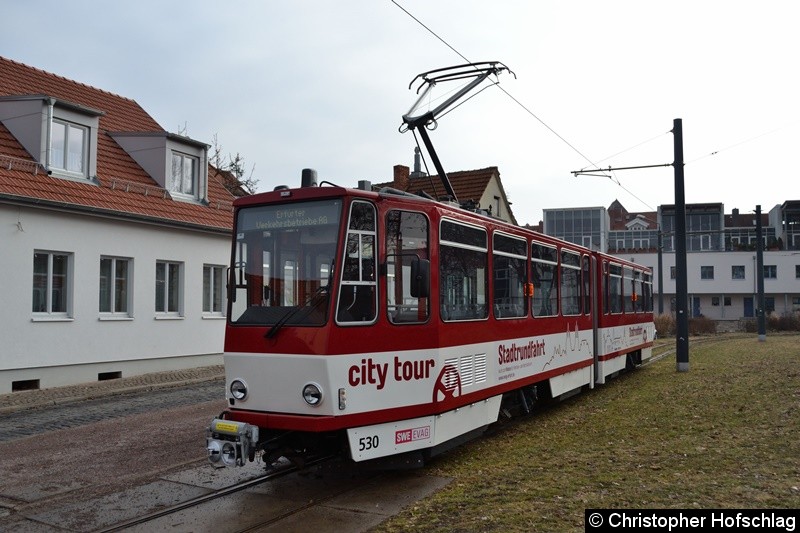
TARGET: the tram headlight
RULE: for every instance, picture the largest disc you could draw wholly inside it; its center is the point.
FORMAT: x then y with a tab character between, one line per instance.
238	389
312	394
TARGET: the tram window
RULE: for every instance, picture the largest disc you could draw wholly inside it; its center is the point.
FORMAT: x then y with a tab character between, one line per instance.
638	297
406	241
647	292
282	261
614	288
357	301
509	265
587	285
628	289
570	283
606	290
544	275
463	272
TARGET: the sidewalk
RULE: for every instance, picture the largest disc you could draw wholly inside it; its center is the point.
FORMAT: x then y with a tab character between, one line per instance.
31	399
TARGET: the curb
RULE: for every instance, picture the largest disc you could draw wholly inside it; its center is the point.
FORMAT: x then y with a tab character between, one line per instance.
40	399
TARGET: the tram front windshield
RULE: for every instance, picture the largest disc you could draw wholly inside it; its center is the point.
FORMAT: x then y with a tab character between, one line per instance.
283	263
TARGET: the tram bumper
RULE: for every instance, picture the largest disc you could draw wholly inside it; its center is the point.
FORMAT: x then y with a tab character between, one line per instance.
230	443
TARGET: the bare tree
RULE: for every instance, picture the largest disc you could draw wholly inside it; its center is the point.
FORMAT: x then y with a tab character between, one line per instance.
236	177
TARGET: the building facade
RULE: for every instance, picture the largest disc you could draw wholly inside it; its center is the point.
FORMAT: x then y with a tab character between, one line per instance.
115	237
721	253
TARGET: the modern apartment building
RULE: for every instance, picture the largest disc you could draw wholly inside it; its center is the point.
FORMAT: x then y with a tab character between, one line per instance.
721	252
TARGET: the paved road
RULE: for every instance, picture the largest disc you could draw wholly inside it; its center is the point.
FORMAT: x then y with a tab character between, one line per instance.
35	421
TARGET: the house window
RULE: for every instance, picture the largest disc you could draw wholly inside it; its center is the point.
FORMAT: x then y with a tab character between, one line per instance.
114	285
737	272
715	301
51	283
797	271
183	178
168	287
707	272
672	272
212	289
69	147
727	301
770	272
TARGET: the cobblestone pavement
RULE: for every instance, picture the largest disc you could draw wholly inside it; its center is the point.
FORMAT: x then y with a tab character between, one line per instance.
28	413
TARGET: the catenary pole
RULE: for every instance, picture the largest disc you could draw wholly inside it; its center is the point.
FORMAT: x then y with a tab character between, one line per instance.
681	277
760	310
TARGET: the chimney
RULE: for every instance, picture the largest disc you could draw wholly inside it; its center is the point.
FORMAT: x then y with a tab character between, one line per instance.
735	217
417	170
400	177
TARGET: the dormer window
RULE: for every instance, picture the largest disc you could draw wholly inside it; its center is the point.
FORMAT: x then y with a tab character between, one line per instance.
60	135
177	163
183	179
69	147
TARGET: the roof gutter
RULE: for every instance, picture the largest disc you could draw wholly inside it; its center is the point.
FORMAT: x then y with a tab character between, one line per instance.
109	213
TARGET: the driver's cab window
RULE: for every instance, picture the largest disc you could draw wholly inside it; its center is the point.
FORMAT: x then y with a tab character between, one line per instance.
357	302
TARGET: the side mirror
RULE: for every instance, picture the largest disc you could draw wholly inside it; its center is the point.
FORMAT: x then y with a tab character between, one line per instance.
420	278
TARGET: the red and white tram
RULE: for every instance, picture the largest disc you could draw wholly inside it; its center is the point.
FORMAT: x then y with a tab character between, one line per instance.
384	324
392	326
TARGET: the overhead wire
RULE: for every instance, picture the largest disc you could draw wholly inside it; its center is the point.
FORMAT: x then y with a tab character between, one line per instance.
520	104
745	141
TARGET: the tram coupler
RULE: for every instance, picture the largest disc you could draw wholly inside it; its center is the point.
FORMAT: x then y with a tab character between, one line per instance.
230	443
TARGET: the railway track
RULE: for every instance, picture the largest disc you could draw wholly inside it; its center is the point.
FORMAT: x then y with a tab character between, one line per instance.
272	475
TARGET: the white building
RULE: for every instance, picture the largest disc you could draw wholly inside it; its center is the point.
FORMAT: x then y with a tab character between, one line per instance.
115	237
721	253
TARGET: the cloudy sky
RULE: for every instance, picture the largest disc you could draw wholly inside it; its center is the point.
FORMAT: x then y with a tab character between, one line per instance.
291	85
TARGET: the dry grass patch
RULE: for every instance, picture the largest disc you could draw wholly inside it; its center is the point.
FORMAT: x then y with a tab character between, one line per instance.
726	434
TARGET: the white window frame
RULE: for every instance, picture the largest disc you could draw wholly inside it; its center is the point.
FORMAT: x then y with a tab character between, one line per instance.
64	165
169	311
214	290
111	290
65	291
179	188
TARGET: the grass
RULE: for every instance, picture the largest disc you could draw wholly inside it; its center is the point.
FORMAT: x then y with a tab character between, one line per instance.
726	434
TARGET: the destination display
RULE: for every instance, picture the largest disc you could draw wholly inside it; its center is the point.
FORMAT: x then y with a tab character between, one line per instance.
293	216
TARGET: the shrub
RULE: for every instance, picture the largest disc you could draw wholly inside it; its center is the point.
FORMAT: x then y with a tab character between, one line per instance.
785	322
665	325
702	326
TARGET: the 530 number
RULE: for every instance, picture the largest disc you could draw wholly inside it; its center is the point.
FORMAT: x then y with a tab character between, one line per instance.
368	443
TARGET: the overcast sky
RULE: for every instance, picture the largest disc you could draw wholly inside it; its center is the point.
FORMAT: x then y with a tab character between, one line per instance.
298	84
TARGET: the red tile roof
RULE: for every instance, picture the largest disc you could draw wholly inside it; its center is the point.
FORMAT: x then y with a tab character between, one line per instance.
467	184
125	189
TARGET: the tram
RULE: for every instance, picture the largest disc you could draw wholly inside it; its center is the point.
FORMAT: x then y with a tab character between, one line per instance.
389	326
